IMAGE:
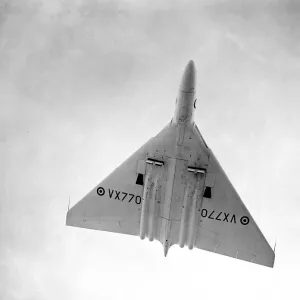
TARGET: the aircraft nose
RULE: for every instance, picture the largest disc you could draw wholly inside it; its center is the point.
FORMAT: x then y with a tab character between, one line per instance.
191	64
188	80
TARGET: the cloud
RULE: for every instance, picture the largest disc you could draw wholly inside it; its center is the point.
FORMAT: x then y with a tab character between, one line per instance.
84	83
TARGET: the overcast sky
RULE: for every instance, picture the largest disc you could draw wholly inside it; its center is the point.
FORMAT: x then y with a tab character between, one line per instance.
84	83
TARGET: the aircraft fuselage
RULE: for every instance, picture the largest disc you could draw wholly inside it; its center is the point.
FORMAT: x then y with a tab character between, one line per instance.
178	209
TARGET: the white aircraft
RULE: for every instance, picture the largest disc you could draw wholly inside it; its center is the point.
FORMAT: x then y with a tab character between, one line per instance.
174	190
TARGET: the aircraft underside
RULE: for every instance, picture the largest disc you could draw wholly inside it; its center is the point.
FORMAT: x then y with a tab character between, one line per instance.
174	190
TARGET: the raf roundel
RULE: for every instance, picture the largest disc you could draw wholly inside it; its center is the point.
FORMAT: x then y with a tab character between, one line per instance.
100	191
244	220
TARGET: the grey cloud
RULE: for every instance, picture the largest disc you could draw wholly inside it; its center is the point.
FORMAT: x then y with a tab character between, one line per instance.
77	79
